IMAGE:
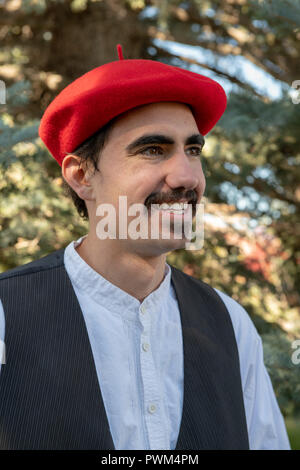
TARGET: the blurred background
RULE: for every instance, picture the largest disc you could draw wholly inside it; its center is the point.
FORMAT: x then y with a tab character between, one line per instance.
251	158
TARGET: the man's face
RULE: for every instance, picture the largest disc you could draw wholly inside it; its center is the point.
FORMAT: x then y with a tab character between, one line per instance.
152	155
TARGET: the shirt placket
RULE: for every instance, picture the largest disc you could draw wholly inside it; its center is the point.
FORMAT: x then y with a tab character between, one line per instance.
152	406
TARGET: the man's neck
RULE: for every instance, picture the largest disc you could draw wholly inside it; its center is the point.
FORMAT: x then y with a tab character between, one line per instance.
134	274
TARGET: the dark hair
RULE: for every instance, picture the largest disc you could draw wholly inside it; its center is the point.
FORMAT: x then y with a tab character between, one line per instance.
88	151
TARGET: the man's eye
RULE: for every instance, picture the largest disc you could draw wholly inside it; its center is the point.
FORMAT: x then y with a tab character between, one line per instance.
196	150
154	150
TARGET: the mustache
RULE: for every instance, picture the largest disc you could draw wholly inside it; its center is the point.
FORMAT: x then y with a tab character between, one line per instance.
190	196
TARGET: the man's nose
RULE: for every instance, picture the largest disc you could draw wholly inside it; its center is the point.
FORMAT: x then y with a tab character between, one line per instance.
181	172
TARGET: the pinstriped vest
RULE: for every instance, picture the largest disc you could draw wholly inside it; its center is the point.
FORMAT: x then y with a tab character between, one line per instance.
49	392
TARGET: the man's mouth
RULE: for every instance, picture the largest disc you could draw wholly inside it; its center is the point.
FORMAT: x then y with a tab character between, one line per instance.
176	208
174	203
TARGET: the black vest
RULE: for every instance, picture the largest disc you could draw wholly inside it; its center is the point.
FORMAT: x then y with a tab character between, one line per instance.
49	392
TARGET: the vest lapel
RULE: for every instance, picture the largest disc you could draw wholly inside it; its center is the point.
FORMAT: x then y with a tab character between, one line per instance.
89	378
50	394
213	415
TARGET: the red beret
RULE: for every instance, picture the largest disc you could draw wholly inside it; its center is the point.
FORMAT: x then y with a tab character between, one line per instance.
93	99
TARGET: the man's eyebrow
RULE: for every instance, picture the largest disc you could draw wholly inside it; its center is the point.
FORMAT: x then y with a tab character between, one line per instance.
195	139
162	139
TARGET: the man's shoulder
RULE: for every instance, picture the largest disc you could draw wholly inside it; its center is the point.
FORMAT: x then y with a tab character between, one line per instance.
47	262
244	328
240	318
186	279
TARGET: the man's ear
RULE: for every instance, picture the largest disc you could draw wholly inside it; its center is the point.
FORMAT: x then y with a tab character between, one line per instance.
78	176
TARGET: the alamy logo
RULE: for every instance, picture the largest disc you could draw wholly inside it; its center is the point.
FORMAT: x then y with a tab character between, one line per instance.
158	222
296	354
296	86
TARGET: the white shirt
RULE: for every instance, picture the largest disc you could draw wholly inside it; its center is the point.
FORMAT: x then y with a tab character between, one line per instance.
138	353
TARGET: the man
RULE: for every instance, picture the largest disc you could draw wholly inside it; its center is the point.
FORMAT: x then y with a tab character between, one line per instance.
107	346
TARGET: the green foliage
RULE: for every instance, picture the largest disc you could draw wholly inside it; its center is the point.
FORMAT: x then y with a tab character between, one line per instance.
288	11
285	375
293	429
35	215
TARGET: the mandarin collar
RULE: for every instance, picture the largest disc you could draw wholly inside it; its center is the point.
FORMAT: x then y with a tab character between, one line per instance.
108	295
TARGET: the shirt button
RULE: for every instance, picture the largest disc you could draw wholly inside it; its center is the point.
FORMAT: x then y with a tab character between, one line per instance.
146	347
143	309
152	408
